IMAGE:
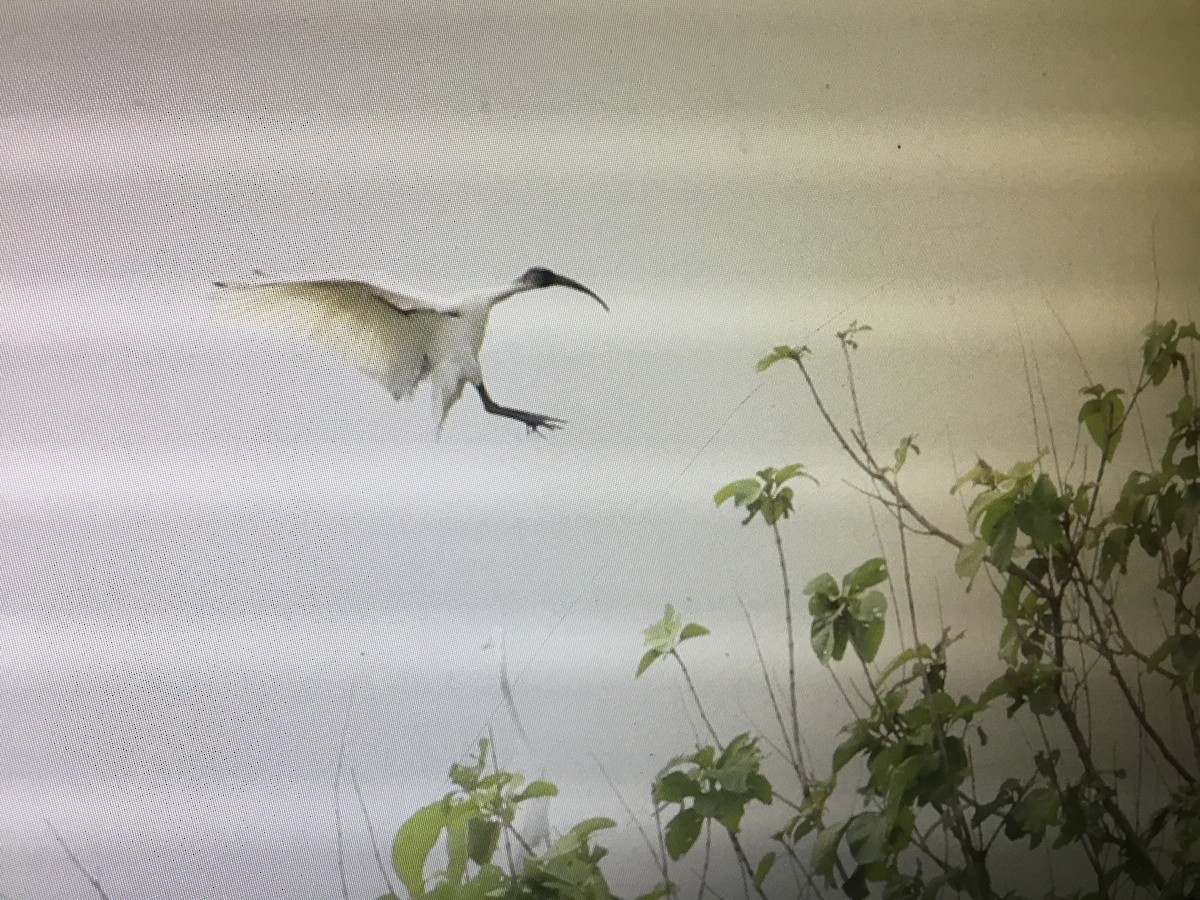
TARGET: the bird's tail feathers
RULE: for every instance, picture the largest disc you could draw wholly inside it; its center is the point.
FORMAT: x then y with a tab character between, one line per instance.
445	389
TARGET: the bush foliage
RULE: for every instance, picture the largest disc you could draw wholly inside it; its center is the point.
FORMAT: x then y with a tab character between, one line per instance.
1093	577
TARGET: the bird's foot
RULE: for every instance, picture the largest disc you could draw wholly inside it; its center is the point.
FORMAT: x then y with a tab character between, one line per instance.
535	421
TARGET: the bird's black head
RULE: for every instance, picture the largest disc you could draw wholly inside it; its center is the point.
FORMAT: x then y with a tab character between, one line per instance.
537	277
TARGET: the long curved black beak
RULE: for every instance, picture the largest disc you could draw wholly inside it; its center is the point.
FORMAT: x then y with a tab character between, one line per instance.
562	281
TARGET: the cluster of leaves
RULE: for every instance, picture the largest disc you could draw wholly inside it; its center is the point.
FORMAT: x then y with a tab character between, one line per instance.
1055	555
473	821
924	823
849	613
665	635
767	494
713	785
1058	554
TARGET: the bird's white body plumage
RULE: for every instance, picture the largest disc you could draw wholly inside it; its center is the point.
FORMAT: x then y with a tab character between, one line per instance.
399	340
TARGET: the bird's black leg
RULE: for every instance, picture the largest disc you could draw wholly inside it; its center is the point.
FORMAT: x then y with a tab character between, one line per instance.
532	421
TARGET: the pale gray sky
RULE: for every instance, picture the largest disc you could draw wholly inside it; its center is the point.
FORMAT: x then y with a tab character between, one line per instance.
208	536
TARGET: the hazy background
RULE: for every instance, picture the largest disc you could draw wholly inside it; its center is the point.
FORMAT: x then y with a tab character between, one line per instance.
206	537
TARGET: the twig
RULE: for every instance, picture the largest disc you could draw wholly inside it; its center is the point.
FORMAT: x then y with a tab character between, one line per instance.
612	785
696	699
371	831
507	693
891	585
1154	263
791	638
745	861
75	859
906	569
512	865
707	858
664	859
1037	436
793	753
337	797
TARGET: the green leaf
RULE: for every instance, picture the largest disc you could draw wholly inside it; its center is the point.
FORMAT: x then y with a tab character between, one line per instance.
980	474
841	636
414	842
899	782
906	445
663	635
796	353
759	788
675	787
866	837
467	777
576	839
1104	418
742	492
648	659
787	473
869	574
1010	598
482	839
921	651
824	584
847	336
867	638
726	806
456	844
849	749
489	882
823	638
763	869
1039	515
682	832
1002	541
538	789
855	887
868	607
825	850
692	630
969	559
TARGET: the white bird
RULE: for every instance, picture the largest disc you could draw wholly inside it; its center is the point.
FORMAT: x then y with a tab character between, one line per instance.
397	339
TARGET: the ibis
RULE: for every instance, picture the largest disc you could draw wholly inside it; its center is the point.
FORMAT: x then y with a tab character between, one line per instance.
397	339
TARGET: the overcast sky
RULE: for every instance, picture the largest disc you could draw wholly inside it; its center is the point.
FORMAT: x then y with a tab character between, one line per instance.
207	536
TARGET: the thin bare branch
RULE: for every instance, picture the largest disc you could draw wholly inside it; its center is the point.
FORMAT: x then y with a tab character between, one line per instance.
696	699
664	859
337	796
1033	411
707	858
362	805
747	868
612	786
891	585
792	753
791	639
78	865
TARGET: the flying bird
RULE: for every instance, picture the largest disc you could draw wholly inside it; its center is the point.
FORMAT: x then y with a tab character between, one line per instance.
399	340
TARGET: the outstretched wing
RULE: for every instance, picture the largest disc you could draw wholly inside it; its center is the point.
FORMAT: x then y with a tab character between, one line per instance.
385	334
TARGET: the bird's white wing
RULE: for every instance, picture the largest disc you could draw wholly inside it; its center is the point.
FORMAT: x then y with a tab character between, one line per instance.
387	335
